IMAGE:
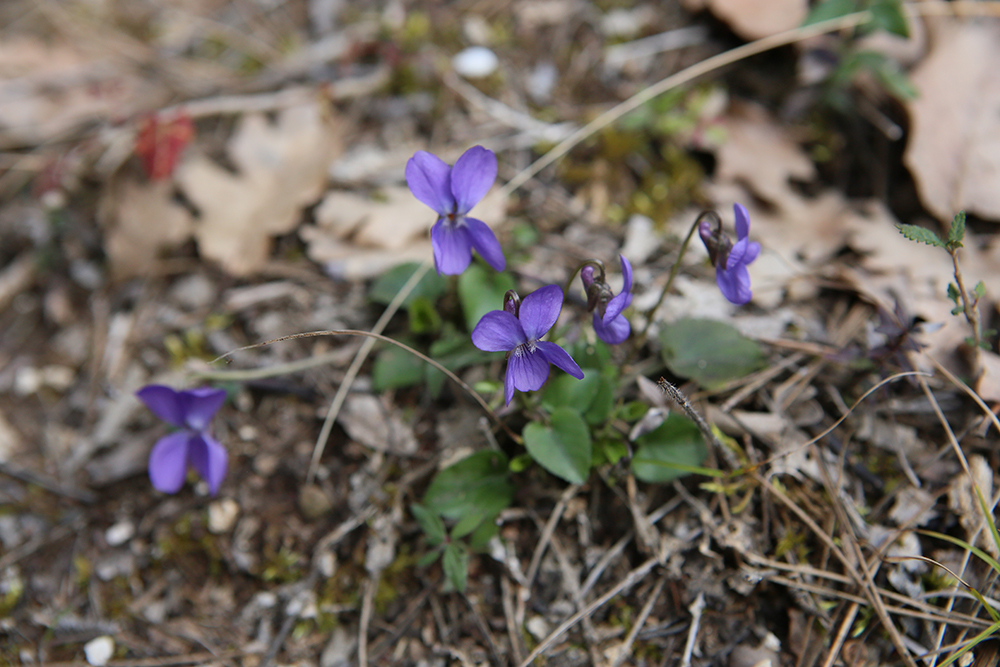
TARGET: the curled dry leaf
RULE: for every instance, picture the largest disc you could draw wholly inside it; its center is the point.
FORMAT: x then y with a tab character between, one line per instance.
281	169
954	145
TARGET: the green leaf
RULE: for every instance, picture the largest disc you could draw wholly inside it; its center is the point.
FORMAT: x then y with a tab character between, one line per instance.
830	9
475	486
614	450
429	558
604	402
424	318
888	15
456	566
920	235
394	368
709	352
521	462
385	289
566	391
956	232
430	523
481	290
564	448
632	411
672	450
979	291
481	536
953	293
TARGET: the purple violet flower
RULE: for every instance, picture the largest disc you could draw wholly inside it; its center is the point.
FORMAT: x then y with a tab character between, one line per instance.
517	334
609	323
730	260
190	411
452	192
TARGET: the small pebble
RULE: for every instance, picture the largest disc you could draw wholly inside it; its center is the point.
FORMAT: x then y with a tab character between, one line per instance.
538	627
99	650
313	502
475	62
120	533
222	515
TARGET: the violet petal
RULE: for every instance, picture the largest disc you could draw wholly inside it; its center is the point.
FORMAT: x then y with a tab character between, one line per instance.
485	242
429	179
472	177
734	284
540	310
209	458
168	461
528	370
452	247
200	405
560	358
498	331
164	402
614	331
742	221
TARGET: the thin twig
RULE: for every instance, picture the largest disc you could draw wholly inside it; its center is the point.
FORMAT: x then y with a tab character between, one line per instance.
550	528
355	368
696	608
633	632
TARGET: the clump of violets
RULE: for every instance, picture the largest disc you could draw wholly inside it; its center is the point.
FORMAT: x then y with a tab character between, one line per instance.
516	330
190	411
609	323
731	260
452	192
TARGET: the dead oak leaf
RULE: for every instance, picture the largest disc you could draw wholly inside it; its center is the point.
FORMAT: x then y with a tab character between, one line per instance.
141	221
282	167
752	19
954	145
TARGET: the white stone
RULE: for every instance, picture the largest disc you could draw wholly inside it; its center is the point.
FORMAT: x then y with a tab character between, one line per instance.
222	515
475	62
99	650
120	533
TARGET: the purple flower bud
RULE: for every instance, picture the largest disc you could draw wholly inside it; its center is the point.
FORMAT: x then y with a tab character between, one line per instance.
191	446
528	358
452	192
609	323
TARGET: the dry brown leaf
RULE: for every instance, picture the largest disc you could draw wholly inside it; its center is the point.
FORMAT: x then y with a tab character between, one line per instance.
281	169
141	221
753	19
48	90
954	146
760	154
988	385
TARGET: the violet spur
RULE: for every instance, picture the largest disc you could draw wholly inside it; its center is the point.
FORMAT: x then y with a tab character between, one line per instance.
517	333
190	411
452	192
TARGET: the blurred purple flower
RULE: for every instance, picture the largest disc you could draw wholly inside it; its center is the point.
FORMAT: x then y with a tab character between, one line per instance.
730	260
190	411
517	334
452	192
609	323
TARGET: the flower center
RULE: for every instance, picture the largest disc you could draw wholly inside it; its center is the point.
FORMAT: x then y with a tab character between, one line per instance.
524	349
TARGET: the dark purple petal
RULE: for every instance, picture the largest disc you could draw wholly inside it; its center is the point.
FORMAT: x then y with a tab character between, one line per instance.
560	358
527	370
452	247
498	331
734	284
429	179
540	310
200	405
624	299
742	221
164	402
209	458
587	276
614	332
472	177
168	461
485	242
